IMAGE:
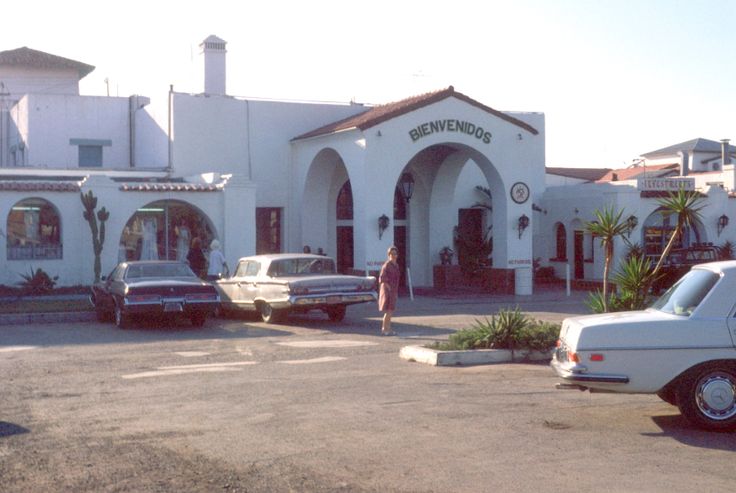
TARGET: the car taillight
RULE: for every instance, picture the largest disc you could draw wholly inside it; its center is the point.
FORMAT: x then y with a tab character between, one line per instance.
596	357
201	297
144	298
573	356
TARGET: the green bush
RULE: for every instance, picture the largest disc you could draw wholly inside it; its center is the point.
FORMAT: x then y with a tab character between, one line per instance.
509	329
37	282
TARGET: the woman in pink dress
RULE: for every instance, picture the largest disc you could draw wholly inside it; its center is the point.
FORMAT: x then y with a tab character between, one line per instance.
388	291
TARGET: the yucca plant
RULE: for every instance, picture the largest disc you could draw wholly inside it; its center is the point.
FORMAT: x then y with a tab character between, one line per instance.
607	226
632	278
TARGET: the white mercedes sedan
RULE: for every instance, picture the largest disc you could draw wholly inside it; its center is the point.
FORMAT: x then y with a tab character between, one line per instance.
681	348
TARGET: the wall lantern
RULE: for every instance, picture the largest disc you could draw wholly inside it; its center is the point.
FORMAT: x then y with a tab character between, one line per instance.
523	224
407	186
383	222
722	223
631	223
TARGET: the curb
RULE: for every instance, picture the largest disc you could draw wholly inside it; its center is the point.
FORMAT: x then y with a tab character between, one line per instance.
434	357
46	318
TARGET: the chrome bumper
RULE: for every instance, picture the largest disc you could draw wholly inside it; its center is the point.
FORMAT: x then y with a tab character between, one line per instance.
579	373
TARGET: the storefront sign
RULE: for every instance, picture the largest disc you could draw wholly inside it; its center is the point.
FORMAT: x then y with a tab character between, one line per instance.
521	261
449	125
665	184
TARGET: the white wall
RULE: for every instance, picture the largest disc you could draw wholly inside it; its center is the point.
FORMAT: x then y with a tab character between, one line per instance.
24	80
52	120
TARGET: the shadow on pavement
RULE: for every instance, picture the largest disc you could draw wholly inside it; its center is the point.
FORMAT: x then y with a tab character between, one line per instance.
9	429
676	427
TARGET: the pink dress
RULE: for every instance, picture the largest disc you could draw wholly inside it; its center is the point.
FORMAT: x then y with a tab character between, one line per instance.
388	282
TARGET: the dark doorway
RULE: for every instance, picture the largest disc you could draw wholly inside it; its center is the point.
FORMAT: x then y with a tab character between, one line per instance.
344	217
400	244
268	230
579	255
345	249
469	233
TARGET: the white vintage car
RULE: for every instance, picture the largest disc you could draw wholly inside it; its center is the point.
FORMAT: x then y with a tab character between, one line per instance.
278	284
682	348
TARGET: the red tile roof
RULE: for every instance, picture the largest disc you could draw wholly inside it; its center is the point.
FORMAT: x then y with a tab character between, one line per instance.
26	57
39	186
382	113
587	174
171	187
632	173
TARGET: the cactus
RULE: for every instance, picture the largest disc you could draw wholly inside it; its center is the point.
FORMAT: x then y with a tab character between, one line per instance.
89	201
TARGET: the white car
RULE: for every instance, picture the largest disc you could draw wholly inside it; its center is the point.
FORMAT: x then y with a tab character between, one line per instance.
682	348
278	284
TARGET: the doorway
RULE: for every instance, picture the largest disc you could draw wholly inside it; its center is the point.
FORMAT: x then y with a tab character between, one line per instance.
579	256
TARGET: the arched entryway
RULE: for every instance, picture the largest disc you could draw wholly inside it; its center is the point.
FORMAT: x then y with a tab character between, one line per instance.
164	230
453	206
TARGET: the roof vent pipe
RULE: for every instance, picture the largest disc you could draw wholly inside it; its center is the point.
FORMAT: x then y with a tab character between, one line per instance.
725	158
683	163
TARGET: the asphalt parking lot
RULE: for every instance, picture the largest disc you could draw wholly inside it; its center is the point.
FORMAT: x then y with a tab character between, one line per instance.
316	406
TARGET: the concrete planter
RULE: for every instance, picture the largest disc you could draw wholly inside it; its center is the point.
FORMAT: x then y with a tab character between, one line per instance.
421	354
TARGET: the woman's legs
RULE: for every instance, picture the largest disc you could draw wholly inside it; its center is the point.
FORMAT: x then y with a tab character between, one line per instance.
386	325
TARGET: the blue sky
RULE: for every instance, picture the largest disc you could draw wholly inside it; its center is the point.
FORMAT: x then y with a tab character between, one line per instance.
615	79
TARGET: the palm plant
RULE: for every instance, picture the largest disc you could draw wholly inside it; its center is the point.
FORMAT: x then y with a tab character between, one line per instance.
607	226
687	205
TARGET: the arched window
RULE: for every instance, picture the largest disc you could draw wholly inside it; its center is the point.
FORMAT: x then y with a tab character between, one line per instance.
345	202
561	237
34	231
164	230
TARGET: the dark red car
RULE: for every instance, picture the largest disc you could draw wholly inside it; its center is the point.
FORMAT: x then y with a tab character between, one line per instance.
153	289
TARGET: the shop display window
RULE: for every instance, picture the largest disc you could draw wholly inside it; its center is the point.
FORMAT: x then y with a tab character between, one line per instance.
34	231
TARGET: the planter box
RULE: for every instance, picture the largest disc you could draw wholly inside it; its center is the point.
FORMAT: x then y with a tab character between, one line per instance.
421	354
489	279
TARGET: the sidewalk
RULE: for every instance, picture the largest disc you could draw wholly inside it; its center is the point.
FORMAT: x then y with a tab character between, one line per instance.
425	299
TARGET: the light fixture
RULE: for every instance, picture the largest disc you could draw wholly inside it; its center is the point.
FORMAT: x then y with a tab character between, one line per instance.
523	224
407	186
383	223
631	223
722	223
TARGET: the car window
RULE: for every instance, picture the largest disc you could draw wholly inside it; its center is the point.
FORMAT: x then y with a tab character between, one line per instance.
252	268
687	293
301	267
240	269
141	271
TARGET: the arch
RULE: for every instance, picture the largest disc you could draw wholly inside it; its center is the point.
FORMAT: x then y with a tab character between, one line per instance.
658	228
33	230
164	229
327	181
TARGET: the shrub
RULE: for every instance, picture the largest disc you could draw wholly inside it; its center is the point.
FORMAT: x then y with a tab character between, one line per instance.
509	329
37	282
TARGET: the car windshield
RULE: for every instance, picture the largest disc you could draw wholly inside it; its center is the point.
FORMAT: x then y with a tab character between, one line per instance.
685	296
301	267
140	271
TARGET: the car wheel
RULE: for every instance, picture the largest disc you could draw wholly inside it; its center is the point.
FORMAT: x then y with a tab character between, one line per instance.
707	398
336	313
270	315
198	319
122	320
668	395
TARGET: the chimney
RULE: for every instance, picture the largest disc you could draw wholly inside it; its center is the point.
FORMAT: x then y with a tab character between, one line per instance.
725	158
684	158
213	52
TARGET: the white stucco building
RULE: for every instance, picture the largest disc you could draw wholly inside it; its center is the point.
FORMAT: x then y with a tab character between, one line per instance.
274	176
259	175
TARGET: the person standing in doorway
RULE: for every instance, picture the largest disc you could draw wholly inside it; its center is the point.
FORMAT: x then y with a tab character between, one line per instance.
217	265
388	291
195	257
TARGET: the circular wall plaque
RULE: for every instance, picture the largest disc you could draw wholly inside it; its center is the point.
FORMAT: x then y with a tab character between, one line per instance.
519	192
